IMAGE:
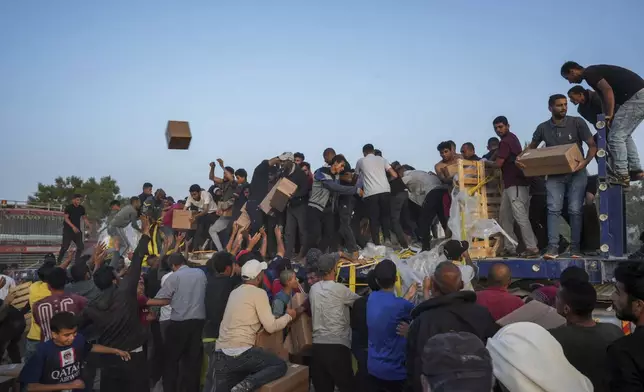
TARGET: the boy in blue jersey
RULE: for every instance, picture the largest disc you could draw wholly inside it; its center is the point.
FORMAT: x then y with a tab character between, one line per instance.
57	363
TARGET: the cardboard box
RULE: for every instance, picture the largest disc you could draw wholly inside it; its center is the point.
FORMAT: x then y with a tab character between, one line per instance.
272	342
284	190
551	160
181	220
278	197
295	380
178	135
534	312
243	222
302	328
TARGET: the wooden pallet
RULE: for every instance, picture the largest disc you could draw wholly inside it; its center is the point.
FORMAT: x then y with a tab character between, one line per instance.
474	179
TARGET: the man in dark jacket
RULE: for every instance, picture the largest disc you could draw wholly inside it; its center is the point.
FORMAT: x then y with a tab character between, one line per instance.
448	310
223	277
115	315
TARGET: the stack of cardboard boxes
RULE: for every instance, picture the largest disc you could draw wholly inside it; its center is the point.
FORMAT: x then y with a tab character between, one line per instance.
278	196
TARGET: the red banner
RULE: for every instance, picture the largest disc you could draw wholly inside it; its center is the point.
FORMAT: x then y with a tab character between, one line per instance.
28	249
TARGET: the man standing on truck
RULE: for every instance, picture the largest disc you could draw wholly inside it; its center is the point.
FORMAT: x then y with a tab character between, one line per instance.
616	86
559	130
72	228
515	200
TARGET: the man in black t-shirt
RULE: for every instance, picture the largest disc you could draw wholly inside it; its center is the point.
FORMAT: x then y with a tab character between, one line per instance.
297	205
72	228
616	86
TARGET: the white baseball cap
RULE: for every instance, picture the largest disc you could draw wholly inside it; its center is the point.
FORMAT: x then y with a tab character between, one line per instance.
287	156
252	268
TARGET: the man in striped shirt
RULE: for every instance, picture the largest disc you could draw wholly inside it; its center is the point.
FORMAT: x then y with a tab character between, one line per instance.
57	302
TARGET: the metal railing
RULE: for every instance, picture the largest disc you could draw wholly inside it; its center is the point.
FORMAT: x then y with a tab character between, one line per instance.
29	205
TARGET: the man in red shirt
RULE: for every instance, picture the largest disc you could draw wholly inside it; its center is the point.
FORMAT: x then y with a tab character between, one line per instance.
57	302
496	297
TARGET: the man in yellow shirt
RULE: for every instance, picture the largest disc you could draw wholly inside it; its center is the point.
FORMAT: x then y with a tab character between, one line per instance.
37	291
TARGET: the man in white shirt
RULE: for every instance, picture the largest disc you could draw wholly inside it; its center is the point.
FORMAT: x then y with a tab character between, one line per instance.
427	191
6	284
377	192
206	216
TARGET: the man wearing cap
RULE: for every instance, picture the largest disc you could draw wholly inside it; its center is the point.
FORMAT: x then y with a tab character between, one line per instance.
456	361
248	311
330	302
450	309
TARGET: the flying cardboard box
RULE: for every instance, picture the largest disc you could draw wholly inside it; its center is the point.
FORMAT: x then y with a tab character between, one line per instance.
178	135
534	312
181	220
551	160
296	379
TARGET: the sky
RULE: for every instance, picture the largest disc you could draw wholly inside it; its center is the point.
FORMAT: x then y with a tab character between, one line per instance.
87	87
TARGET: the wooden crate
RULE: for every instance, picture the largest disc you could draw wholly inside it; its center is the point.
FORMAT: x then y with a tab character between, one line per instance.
485	184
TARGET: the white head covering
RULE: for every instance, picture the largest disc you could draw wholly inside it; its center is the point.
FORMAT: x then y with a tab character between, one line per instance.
526	358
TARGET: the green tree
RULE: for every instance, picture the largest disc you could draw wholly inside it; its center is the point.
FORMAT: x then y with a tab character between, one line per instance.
97	195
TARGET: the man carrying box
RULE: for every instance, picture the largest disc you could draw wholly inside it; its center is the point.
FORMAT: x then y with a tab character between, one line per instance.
559	130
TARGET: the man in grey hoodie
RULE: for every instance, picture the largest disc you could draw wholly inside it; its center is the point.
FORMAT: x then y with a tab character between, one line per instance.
126	216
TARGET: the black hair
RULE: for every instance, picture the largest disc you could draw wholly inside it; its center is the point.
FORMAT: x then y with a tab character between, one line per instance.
408	167
133	199
305	164
170	199
338	158
45	269
569	66
241	173
243	259
194	188
493	140
230	170
385	272
631	275
553	98
470	145
57	278
147	185
444	146
577	89
377	153
79	271
328	151
177	259
220	261
452	144
367	149
104	277
63	320
579	296
500	119
573	273
115	203
298	155
77	196
371	281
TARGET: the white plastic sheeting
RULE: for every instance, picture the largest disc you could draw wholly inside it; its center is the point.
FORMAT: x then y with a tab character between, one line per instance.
462	203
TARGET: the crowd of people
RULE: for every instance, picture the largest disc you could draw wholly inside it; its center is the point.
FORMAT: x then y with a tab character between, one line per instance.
137	316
